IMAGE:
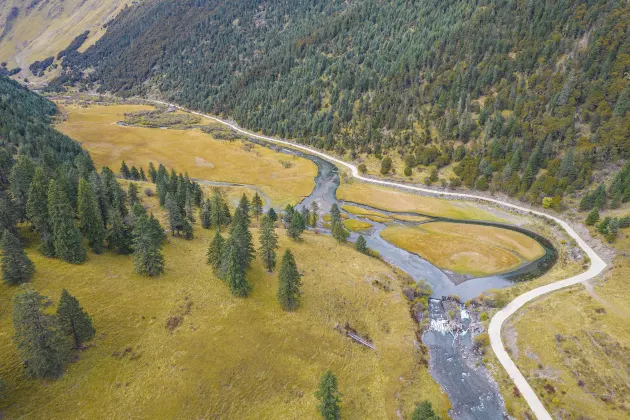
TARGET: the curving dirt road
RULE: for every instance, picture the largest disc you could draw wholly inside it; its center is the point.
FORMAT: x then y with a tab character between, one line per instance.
494	331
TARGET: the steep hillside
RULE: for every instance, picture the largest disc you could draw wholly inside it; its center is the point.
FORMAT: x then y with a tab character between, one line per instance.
36	29
523	97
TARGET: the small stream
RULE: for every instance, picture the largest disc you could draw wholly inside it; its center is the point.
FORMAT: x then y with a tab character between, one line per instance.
473	393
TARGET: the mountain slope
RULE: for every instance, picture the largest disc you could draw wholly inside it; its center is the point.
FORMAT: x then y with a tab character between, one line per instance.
522	97
35	29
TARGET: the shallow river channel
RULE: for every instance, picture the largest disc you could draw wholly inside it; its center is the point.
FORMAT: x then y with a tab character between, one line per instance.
473	393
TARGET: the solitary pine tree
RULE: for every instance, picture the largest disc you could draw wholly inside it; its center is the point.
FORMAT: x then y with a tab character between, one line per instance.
143	177
268	243
124	170
90	219
215	252
340	233
205	218
147	256
42	347
16	266
132	193
361	245
314	214
257	205
37	211
67	237
244	208
272	214
134	173
152	172
593	217
289	283
329	397
73	320
296	226
235	271
335	215
424	411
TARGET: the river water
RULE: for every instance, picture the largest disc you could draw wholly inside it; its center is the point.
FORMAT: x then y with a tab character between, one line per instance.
473	394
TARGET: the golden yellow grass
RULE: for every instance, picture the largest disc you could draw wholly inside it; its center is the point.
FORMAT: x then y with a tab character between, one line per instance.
368	214
465	249
356	225
394	200
45	30
578	342
187	150
230	357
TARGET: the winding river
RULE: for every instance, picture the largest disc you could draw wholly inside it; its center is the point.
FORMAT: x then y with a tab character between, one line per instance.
474	395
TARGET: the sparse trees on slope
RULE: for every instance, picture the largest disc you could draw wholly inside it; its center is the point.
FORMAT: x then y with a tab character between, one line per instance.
37	211
289	282
593	217
90	219
73	320
67	237
268	243
37	336
329	397
16	266
215	252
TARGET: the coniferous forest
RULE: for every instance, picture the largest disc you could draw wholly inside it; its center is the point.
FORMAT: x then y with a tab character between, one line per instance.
528	98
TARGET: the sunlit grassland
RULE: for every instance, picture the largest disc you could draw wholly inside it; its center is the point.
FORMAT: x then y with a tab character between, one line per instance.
44	30
465	249
574	345
229	357
390	199
285	179
356	225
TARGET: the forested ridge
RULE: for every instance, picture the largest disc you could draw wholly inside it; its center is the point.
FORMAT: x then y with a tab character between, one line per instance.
525	97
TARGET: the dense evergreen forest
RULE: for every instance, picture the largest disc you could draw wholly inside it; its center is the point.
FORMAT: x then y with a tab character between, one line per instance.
526	97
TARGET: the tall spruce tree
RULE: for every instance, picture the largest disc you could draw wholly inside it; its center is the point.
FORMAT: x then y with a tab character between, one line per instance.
257	205
132	193
215	252
242	237
289	283
175	214
20	179
268	243
329	397
296	226
152	172
67	237
16	266
272	214
335	215
340	233
235	270
40	343
148	259
124	170
306	217
99	191
205	217
37	211
361	245
90	220
73	320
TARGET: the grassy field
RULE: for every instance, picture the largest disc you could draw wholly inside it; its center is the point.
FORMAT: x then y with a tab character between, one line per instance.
394	200
356	225
574	345
41	31
465	249
226	350
285	179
